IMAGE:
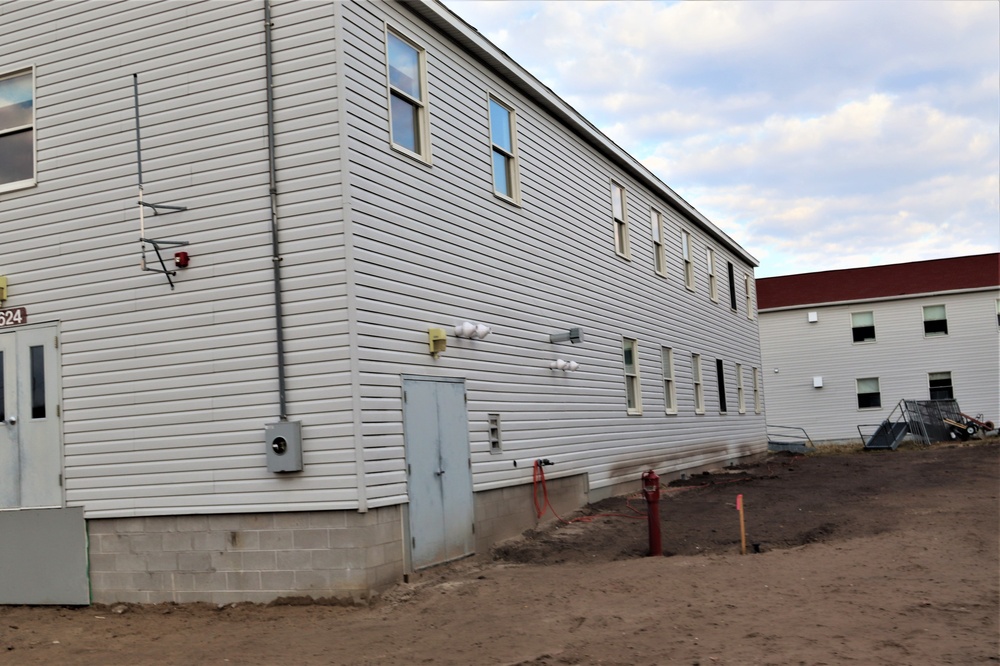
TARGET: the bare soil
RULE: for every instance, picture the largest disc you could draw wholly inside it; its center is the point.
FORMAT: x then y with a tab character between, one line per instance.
866	558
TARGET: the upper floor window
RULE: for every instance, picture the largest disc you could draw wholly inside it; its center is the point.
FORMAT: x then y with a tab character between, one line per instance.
935	320
618	212
688	262
408	122
633	394
748	295
731	271
713	281
659	255
17	130
504	142
863	326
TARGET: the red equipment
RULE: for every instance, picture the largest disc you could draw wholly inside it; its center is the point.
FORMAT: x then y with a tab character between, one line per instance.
651	491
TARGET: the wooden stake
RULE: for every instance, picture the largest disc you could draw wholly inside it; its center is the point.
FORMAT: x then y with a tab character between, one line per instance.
743	530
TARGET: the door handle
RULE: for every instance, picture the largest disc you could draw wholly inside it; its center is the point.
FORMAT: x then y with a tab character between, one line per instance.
439	472
12	420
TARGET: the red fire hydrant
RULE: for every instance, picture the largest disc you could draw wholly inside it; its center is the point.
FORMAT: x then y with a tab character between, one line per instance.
651	491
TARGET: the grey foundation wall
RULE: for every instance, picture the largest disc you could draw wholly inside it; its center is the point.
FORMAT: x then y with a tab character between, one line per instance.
221	559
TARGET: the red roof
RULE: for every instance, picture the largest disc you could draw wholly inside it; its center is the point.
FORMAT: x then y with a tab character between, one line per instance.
853	284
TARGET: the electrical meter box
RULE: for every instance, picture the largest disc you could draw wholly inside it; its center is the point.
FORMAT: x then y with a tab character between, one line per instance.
284	446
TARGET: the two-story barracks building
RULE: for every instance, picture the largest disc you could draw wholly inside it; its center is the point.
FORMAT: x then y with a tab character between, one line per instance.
358	184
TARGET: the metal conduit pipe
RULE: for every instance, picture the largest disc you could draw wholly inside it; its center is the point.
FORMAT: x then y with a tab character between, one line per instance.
273	184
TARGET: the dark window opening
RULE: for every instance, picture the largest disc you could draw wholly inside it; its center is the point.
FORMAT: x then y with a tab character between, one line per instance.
863	333
936	327
3	416
37	356
732	285
720	373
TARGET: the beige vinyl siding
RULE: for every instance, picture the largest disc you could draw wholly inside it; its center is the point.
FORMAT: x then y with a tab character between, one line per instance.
434	248
901	357
165	393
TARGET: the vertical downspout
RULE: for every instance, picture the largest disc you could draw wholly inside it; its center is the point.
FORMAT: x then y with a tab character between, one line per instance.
273	190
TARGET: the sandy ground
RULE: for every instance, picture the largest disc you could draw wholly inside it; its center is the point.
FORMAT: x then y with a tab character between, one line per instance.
867	558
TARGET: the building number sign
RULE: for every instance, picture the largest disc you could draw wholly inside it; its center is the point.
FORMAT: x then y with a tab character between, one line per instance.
13	317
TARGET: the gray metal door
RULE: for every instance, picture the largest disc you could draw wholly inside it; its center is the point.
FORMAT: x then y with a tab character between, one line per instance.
30	436
436	429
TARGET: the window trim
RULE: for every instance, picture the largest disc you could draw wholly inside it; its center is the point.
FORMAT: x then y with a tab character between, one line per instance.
950	387
621	231
632	380
698	384
32	127
857	387
688	260
757	406
514	163
713	280
669	381
659	248
861	330
422	105
748	295
741	404
936	334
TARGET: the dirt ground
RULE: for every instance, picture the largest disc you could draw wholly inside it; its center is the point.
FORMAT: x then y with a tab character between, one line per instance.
866	558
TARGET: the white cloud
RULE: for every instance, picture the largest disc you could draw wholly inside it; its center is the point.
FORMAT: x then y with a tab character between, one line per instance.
816	133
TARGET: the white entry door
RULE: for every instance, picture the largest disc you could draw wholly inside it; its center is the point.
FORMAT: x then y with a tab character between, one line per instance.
30	434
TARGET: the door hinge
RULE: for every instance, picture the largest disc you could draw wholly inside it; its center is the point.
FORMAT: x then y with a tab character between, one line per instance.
465	397
409	470
470	463
413	542
60	479
55	341
58	410
473	528
404	396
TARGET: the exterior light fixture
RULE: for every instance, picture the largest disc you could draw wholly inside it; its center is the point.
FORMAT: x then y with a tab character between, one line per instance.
472	331
561	364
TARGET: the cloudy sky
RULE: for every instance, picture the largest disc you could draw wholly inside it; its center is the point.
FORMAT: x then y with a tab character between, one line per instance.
818	134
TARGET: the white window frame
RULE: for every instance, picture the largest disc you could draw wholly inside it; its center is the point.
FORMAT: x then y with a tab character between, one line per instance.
855	317
421	105
748	295
951	384
510	157
659	252
669	384
619	218
756	390
713	281
878	385
632	383
936	334
741	404
688	259
696	381
31	127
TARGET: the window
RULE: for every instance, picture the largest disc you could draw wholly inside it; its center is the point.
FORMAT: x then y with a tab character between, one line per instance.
935	320
503	140
940	386
633	397
620	219
863	326
720	374
732	285
686	255
659	256
713	282
669	388
868	393
756	390
408	124
998	312
496	442
740	398
699	391
748	295
17	130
